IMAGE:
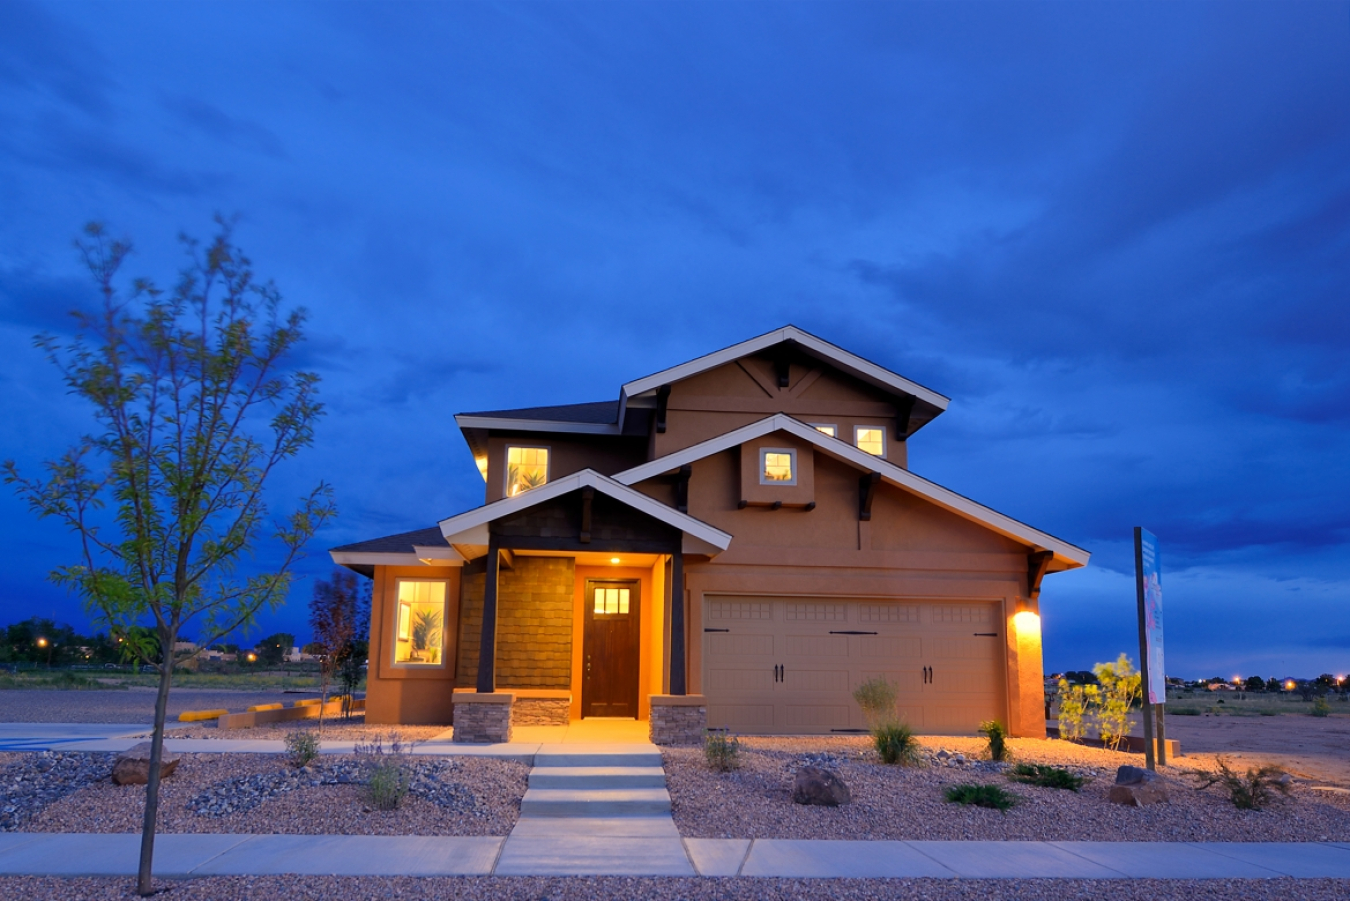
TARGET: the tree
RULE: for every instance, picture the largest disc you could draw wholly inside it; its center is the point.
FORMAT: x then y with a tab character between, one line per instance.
1120	691
1255	683
339	613
273	649
194	409
1272	684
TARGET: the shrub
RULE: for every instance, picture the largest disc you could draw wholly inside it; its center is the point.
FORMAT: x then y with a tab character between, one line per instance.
997	735
1120	690
302	747
1046	776
722	751
992	796
876	697
387	772
895	742
1320	707
1185	711
1073	705
1251	792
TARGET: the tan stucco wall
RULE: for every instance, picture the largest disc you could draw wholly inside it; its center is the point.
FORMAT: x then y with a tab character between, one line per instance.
534	624
567	454
405	694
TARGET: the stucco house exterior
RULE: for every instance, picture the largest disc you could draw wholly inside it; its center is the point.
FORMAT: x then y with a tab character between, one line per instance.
735	542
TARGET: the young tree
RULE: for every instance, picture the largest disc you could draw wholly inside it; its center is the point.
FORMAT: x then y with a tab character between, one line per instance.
193	410
339	613
273	649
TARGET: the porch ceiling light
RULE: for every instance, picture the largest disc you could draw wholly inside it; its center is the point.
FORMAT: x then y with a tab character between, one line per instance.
613	559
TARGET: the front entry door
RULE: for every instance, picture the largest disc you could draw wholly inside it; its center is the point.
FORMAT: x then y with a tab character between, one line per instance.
609	668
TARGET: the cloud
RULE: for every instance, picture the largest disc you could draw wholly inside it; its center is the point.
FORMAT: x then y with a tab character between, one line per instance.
213	122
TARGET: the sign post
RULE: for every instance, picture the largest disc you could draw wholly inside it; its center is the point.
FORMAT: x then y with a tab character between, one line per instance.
1153	676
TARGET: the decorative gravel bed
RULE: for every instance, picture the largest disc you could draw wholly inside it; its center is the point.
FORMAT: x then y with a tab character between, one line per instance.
334	729
33	781
260	793
590	888
889	802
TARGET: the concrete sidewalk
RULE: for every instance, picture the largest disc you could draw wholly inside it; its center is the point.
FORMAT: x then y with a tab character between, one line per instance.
620	853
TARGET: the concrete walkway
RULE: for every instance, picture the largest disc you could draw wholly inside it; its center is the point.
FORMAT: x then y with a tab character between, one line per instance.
623	854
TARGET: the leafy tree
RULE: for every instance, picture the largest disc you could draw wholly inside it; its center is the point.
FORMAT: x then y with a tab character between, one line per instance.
339	613
273	649
193	408
1120	691
1255	683
1272	684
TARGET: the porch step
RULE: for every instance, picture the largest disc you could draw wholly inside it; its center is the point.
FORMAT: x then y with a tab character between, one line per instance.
581	757
597	777
605	802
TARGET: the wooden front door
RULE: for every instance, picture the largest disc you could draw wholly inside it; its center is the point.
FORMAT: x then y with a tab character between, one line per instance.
609	668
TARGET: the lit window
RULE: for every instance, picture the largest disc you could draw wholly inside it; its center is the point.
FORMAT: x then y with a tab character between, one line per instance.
870	439
611	601
526	468
830	430
777	466
419	636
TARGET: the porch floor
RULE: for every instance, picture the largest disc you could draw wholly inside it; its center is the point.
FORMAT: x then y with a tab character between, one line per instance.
585	732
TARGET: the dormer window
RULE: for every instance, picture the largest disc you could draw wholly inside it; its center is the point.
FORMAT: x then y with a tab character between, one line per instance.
526	468
826	429
871	439
777	466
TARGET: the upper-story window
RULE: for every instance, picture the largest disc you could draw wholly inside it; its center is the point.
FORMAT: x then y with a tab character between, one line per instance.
826	428
870	438
777	466
526	468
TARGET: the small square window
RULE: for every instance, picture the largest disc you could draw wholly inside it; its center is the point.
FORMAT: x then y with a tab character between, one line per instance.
777	466
826	429
871	439
526	468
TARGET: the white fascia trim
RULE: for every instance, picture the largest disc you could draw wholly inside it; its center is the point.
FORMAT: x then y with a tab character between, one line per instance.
382	559
838	355
901	478
467	528
535	425
439	555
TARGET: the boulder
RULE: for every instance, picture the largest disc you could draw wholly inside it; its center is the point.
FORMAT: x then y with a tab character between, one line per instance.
132	767
1139	794
818	785
1134	775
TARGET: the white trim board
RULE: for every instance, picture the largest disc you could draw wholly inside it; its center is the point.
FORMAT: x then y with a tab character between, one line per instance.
470	528
848	362
962	506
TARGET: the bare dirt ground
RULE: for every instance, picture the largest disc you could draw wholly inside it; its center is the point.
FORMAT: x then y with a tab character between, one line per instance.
1315	749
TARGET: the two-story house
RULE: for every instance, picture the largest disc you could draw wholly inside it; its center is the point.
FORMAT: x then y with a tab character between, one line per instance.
736	541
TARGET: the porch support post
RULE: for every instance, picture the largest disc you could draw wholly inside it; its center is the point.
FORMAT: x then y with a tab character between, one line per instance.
678	683
487	643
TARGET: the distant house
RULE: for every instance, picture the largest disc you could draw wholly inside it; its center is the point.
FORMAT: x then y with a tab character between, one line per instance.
736	542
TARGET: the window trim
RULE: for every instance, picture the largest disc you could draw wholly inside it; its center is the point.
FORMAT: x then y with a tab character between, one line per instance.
792	454
825	425
879	428
506	466
397	608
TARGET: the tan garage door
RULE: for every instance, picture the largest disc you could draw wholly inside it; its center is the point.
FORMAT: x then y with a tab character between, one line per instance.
789	665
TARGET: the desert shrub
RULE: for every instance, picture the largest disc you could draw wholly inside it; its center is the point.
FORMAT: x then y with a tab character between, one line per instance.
896	744
1185	711
876	697
1120	690
1046	776
1074	701
301	747
1320	707
722	750
998	739
992	796
1251	792
386	770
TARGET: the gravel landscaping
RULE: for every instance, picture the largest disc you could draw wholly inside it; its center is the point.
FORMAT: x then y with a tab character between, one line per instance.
755	801
314	888
260	793
338	729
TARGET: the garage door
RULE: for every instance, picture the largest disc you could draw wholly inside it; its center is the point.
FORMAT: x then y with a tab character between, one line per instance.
789	665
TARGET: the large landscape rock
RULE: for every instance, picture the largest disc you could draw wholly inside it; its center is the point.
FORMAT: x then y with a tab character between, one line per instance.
818	785
1138	787
132	767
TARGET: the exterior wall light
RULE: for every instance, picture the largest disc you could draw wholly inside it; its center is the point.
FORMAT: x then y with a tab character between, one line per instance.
613	559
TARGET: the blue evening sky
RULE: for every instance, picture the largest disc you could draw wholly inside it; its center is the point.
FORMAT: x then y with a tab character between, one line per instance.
1117	235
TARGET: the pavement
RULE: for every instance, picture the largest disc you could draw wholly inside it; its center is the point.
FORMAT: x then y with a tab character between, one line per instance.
611	848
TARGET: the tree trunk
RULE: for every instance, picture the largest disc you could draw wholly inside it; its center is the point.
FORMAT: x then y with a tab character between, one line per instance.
143	875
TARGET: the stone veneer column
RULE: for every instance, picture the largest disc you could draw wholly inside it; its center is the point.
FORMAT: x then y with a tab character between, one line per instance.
679	719
483	717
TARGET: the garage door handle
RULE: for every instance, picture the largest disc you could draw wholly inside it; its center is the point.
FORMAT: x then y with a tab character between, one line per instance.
716	630
853	633
986	635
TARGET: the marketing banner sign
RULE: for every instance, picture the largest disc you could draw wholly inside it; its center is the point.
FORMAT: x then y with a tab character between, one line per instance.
1148	584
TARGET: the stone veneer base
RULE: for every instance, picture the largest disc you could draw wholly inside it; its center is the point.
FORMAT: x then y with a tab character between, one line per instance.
541	712
483	718
678	719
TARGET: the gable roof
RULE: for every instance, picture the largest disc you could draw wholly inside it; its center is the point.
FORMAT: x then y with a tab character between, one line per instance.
471	528
416	548
836	356
1067	554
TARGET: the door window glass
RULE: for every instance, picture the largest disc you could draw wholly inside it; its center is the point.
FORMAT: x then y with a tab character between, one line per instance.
611	601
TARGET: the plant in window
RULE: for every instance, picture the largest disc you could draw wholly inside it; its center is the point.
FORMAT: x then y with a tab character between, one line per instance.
523	478
426	634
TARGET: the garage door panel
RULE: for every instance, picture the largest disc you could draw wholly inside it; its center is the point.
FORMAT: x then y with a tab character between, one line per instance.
816	613
962	683
799	679
888	613
912	715
958	648
892	647
907	682
799	646
731	644
817	717
759	678
740	716
740	610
